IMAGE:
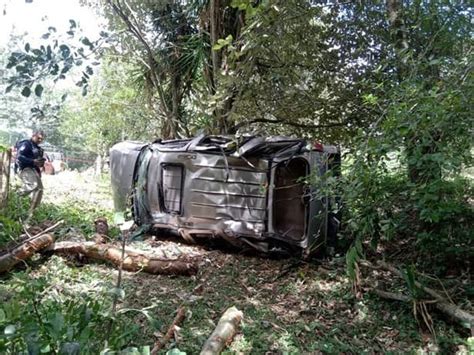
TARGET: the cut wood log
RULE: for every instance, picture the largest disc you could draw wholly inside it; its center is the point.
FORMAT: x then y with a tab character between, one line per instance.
465	318
24	251
178	319
132	261
224	332
49	229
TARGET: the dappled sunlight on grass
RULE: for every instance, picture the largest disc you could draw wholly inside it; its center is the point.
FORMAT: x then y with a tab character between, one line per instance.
81	186
325	286
306	311
240	345
290	306
85	280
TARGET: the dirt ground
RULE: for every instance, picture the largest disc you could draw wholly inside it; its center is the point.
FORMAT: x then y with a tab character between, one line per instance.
289	306
82	186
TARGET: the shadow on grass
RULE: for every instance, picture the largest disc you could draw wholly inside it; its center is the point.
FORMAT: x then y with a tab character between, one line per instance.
309	310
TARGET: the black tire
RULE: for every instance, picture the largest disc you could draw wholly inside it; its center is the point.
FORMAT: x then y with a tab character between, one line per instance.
332	232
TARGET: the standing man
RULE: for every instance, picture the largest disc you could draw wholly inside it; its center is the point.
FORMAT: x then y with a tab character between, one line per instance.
29	159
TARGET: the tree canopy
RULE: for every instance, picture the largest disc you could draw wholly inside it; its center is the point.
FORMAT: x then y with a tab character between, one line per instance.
390	83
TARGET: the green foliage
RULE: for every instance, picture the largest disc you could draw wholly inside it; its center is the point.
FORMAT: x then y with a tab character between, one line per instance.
168	67
75	214
221	43
435	218
62	310
407	180
10	216
409	276
59	309
38	110
353	255
8	229
404	182
303	67
397	94
116	110
51	60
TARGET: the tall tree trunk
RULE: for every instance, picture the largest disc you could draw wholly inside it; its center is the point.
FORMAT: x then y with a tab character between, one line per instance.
215	34
398	33
176	103
416	146
216	56
222	22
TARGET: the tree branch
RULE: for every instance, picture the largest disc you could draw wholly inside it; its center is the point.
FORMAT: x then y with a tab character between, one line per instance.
284	122
151	59
178	319
465	318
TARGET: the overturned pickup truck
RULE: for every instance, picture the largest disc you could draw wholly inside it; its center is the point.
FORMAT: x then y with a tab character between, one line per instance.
249	191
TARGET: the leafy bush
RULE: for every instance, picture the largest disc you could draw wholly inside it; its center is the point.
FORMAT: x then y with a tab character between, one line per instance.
405	181
54	311
57	309
397	191
16	210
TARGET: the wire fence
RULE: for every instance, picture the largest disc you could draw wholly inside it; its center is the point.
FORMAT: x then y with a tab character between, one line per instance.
5	164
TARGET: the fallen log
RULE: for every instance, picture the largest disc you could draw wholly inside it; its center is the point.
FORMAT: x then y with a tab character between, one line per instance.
465	318
48	229
132	261
178	319
24	251
224	332
392	295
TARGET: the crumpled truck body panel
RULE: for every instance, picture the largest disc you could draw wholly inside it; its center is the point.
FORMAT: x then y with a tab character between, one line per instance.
251	192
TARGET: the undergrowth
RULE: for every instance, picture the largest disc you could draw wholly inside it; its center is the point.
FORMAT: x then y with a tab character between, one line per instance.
307	311
76	214
57	309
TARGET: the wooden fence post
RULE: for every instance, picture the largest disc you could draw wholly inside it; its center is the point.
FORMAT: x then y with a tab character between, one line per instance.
5	162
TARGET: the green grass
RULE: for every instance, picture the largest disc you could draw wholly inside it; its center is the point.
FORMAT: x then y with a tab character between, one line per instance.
305	312
308	310
77	216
